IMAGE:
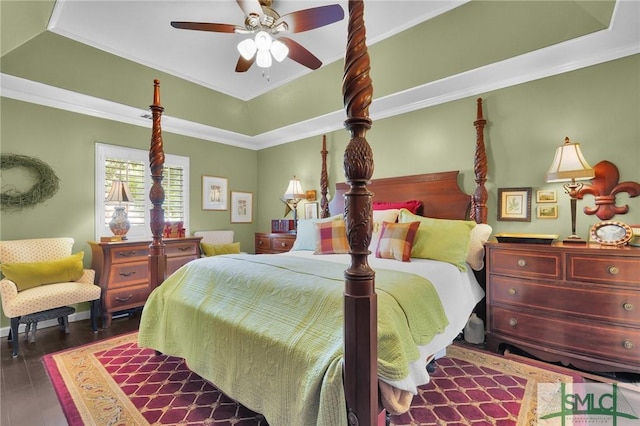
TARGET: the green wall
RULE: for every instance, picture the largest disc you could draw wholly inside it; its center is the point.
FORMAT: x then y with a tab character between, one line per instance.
597	106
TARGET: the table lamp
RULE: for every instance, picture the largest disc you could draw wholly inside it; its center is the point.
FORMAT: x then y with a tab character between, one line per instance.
119	194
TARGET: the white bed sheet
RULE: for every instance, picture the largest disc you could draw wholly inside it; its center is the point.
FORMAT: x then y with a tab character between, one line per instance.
459	293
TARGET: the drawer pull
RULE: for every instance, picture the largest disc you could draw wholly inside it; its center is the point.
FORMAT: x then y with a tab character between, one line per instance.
628	306
513	322
127	274
127	253
628	344
283	244
260	242
522	262
124	299
613	270
512	291
184	248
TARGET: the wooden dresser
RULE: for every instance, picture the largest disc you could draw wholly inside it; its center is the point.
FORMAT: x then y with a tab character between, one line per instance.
273	243
122	270
578	305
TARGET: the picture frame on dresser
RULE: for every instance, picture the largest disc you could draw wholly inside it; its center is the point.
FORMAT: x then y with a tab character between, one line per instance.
611	233
514	204
214	193
241	207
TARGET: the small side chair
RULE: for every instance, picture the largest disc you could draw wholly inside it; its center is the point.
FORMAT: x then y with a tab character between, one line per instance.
33	260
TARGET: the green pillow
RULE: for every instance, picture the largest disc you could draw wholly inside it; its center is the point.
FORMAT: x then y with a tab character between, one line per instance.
217	249
446	240
34	274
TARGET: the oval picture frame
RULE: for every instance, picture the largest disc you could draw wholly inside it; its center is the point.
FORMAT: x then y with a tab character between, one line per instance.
611	233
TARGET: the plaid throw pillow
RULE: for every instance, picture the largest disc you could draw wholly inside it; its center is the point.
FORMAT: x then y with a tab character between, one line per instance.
396	240
331	238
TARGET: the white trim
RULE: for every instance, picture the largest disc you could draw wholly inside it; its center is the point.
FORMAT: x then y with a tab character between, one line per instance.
620	40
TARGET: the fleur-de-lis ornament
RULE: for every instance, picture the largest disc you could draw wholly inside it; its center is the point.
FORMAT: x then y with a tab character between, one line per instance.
604	188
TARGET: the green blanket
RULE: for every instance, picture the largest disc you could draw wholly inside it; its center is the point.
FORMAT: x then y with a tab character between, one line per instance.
267	330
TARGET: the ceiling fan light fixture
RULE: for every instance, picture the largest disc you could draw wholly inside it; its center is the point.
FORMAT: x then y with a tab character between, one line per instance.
279	50
247	48
263	60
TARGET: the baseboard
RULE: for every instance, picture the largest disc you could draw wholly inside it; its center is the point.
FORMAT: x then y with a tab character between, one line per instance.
78	316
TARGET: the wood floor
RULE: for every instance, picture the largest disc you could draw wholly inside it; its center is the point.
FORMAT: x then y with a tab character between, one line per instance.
27	397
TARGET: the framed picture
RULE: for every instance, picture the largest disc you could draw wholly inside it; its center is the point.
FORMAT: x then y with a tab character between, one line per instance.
311	211
241	207
514	204
547	212
214	193
546	196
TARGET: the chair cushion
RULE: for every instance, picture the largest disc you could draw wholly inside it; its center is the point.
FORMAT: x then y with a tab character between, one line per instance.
50	296
27	275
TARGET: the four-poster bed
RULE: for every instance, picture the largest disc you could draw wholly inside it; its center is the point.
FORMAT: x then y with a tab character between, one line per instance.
357	369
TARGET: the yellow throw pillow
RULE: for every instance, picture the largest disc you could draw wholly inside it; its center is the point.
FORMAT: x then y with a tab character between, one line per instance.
218	249
446	240
34	274
331	237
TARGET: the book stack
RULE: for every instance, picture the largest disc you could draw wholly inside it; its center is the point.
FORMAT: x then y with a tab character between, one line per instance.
282	225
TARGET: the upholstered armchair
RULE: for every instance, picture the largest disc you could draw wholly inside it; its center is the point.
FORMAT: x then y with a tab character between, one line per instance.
40	275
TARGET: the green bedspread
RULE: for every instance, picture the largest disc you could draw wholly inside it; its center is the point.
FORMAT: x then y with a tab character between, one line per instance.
267	330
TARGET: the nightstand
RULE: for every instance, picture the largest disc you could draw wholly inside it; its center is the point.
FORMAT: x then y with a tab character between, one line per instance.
273	243
577	305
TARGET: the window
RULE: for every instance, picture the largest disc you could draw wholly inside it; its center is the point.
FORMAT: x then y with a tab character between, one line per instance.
132	166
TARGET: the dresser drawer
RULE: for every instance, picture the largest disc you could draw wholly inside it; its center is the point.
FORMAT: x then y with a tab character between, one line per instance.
187	248
130	253
126	298
595	302
127	274
263	244
175	263
605	269
526	264
600	341
281	244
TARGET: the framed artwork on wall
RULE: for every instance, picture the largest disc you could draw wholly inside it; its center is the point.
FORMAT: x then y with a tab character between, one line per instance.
311	211
546	196
241	207
514	204
547	212
214	193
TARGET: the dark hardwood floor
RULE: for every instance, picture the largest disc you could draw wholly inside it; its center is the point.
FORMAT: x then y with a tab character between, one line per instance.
27	397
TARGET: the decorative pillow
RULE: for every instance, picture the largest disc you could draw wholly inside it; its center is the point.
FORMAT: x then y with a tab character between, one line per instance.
331	237
414	206
396	240
479	235
379	216
218	249
446	240
34	274
306	232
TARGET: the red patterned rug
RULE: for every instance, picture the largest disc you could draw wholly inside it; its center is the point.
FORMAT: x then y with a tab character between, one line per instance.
113	382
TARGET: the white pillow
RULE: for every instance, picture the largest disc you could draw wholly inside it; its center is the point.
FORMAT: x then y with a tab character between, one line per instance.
306	233
379	216
479	235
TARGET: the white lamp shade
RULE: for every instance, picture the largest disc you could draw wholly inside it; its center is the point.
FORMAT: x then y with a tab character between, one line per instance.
569	163
279	50
119	193
247	48
294	190
264	59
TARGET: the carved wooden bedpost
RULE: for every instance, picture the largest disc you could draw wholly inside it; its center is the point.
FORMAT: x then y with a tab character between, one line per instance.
157	257
360	300
479	206
324	181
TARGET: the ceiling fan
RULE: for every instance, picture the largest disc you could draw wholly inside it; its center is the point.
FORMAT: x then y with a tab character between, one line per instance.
264	24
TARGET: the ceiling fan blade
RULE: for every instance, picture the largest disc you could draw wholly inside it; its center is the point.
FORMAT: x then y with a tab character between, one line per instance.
244	64
300	54
250	7
309	19
205	26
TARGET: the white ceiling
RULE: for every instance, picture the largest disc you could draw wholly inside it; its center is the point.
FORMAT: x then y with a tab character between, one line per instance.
140	31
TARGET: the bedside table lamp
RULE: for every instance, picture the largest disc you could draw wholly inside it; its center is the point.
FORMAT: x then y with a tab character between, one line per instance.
569	165
292	197
119	194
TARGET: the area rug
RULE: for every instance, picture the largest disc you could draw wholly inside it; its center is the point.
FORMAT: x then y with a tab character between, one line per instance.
113	382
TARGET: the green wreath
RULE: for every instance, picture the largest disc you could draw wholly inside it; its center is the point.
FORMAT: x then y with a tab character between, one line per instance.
47	183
